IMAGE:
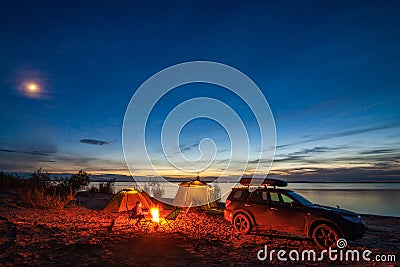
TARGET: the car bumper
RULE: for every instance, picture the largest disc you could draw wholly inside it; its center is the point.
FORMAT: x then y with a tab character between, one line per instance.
228	215
353	231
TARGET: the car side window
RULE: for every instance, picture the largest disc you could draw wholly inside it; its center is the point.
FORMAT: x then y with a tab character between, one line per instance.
274	196
237	194
265	196
258	197
278	198
286	199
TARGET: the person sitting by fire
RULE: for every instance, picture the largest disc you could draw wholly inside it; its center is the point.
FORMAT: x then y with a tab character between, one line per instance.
137	212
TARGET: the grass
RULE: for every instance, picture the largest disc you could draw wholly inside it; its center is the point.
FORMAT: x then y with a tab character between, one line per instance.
39	191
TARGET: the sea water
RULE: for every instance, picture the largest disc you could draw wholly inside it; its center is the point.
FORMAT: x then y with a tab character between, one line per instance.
365	198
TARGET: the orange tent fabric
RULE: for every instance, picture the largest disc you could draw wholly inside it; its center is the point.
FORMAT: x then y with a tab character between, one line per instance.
126	199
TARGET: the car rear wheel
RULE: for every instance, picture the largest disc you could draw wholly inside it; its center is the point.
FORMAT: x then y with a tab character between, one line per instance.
325	236
242	223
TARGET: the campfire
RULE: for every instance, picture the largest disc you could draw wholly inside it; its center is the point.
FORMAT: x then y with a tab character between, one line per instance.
155	215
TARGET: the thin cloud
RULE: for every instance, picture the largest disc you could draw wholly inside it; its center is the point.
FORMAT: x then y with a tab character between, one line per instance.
323	154
222	161
300	155
343	134
317	149
34	152
377	151
94	142
372	173
185	147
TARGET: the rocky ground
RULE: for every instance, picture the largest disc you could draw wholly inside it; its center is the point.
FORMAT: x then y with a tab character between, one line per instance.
85	237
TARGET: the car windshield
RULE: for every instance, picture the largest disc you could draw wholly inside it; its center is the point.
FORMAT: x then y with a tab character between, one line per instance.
300	199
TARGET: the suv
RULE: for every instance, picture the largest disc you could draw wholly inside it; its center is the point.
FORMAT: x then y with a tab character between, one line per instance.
286	211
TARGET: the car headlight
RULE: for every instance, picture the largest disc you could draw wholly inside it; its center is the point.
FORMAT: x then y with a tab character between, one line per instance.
354	219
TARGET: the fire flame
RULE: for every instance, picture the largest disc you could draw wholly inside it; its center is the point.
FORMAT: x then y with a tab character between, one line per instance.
155	214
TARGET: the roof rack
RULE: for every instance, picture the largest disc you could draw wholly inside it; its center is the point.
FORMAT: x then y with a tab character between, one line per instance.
265	183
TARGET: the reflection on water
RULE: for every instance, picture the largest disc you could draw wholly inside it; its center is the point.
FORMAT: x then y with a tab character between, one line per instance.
379	202
369	198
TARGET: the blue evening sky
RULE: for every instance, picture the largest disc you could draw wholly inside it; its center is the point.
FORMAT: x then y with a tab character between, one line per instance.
329	70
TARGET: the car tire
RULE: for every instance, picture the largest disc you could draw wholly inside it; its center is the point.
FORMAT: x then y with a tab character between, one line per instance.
325	236
242	223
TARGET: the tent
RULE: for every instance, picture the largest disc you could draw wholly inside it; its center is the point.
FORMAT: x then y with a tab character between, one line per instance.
195	193
126	199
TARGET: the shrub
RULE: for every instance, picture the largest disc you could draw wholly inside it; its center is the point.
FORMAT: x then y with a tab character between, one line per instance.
217	192
94	189
39	179
8	181
77	181
107	187
39	191
103	187
39	198
154	188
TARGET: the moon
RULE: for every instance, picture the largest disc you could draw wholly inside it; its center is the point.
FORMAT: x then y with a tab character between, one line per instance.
32	87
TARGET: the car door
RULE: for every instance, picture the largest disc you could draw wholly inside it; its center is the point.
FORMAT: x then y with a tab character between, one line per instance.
286	214
257	204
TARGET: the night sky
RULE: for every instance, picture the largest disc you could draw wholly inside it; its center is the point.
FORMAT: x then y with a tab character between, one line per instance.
329	70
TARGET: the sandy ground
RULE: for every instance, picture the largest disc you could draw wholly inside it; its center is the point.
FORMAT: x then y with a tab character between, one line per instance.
86	237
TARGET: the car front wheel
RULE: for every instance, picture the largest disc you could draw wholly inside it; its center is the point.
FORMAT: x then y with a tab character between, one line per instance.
325	236
242	223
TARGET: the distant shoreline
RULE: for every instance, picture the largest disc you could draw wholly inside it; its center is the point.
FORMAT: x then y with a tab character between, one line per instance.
128	179
294	182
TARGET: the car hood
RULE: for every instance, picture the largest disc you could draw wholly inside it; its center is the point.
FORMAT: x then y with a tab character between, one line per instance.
338	211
